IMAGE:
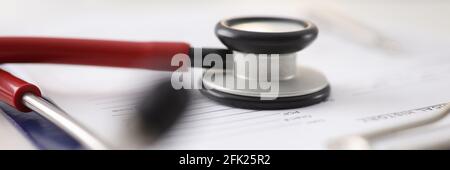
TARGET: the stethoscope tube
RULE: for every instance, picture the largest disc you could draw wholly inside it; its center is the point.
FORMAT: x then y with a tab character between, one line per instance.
27	97
112	53
146	55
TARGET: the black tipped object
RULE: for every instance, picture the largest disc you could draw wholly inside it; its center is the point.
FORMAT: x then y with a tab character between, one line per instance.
161	108
205	51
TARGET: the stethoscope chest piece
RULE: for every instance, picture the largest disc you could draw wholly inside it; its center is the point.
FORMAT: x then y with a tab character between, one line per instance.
261	37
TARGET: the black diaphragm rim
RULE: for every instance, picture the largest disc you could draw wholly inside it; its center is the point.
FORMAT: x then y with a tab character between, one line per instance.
265	42
255	103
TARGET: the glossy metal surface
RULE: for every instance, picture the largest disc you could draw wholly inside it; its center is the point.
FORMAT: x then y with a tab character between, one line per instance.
294	80
62	120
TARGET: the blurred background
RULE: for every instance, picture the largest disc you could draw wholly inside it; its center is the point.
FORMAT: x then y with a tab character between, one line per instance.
181	20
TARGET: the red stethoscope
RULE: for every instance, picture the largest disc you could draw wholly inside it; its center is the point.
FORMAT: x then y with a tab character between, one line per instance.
259	35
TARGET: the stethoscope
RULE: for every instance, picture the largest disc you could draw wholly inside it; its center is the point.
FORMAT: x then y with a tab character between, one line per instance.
259	35
299	86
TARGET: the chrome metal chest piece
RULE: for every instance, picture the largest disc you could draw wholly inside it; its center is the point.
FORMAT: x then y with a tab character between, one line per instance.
272	42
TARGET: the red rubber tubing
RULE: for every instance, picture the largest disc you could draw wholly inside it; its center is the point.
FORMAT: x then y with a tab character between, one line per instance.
12	90
145	55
